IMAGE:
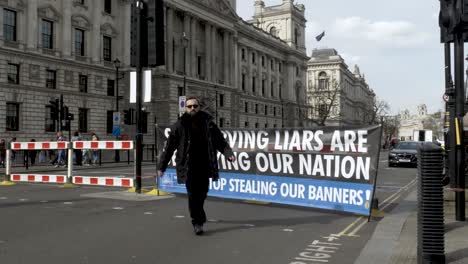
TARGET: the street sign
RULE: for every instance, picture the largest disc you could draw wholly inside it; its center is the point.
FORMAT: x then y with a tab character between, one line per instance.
446	98
182	105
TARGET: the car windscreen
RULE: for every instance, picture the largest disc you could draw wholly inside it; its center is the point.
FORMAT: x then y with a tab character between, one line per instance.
406	145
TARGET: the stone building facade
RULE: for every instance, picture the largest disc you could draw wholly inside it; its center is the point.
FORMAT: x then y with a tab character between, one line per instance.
53	48
246	76
330	83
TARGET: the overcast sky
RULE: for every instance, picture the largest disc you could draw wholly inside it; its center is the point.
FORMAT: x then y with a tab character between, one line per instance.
395	44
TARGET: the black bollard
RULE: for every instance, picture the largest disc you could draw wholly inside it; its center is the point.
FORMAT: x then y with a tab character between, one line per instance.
431	243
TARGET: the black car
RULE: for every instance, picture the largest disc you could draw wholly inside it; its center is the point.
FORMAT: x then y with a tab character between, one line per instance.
404	153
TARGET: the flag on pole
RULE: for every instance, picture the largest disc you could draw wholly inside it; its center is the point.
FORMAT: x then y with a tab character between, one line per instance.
320	36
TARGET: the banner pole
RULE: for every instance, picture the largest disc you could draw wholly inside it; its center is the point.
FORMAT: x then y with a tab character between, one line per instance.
376	171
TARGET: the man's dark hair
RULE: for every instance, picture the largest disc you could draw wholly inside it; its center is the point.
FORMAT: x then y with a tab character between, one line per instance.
192	98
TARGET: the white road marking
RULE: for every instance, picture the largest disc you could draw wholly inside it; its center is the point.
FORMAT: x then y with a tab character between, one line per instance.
288	230
23	200
117	208
44	201
179	216
67	202
148	213
213	220
249	225
3	198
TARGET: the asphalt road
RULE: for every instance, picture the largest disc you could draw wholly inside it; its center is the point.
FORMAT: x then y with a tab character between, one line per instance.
46	224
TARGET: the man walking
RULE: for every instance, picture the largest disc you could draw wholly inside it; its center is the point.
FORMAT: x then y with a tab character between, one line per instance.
196	138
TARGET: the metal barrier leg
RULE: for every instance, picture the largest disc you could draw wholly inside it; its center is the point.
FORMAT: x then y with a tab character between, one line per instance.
69	183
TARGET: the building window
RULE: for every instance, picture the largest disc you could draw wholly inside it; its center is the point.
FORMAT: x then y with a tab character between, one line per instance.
83	83
243	54
246	107
263	86
109	121
110	87
279	66
199	65
266	109
256	108
322	110
107	6
256	125
47	34
243	82
49	119
107	46
274	111
221	122
266	125
12	117
51	79
280	91
323	81
79	42
246	124
297	70
221	100
253	84
253	58
296	36
263	61
272	65
83	120
9	25
272	89
13	73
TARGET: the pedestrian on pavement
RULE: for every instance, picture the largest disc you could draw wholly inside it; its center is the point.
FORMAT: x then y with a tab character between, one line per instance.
77	152
2	152
13	152
32	154
95	152
61	156
196	138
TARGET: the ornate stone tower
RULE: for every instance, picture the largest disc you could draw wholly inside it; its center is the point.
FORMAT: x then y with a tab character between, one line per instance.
285	21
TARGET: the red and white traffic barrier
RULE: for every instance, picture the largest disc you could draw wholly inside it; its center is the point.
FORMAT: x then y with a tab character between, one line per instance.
39	178
103	144
39	145
103	181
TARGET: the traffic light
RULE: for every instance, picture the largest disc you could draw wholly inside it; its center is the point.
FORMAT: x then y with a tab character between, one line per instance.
54	109
151	44
62	113
128	117
453	18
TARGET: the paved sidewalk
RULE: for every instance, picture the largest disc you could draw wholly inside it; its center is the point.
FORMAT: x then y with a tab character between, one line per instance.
395	238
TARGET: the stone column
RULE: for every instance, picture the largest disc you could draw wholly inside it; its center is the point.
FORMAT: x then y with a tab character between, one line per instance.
66	29
268	79
235	62
226	64
208	52
32	25
193	47
96	31
259	79
214	48
169	39
188	50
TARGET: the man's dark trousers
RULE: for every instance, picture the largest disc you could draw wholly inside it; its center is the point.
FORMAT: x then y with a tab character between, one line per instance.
197	190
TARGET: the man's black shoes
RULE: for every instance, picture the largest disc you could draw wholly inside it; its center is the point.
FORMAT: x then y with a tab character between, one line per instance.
198	229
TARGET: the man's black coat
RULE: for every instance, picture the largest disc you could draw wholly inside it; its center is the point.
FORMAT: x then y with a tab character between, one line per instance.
179	139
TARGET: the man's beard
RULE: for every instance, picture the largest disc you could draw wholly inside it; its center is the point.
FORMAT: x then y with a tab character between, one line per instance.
192	113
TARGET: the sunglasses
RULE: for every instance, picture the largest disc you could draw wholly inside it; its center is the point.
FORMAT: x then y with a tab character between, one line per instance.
192	106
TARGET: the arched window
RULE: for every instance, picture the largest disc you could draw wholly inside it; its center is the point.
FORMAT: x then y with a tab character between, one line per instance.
273	31
323	81
296	35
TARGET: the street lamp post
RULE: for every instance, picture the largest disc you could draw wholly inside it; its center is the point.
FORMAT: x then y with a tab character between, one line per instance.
117	66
